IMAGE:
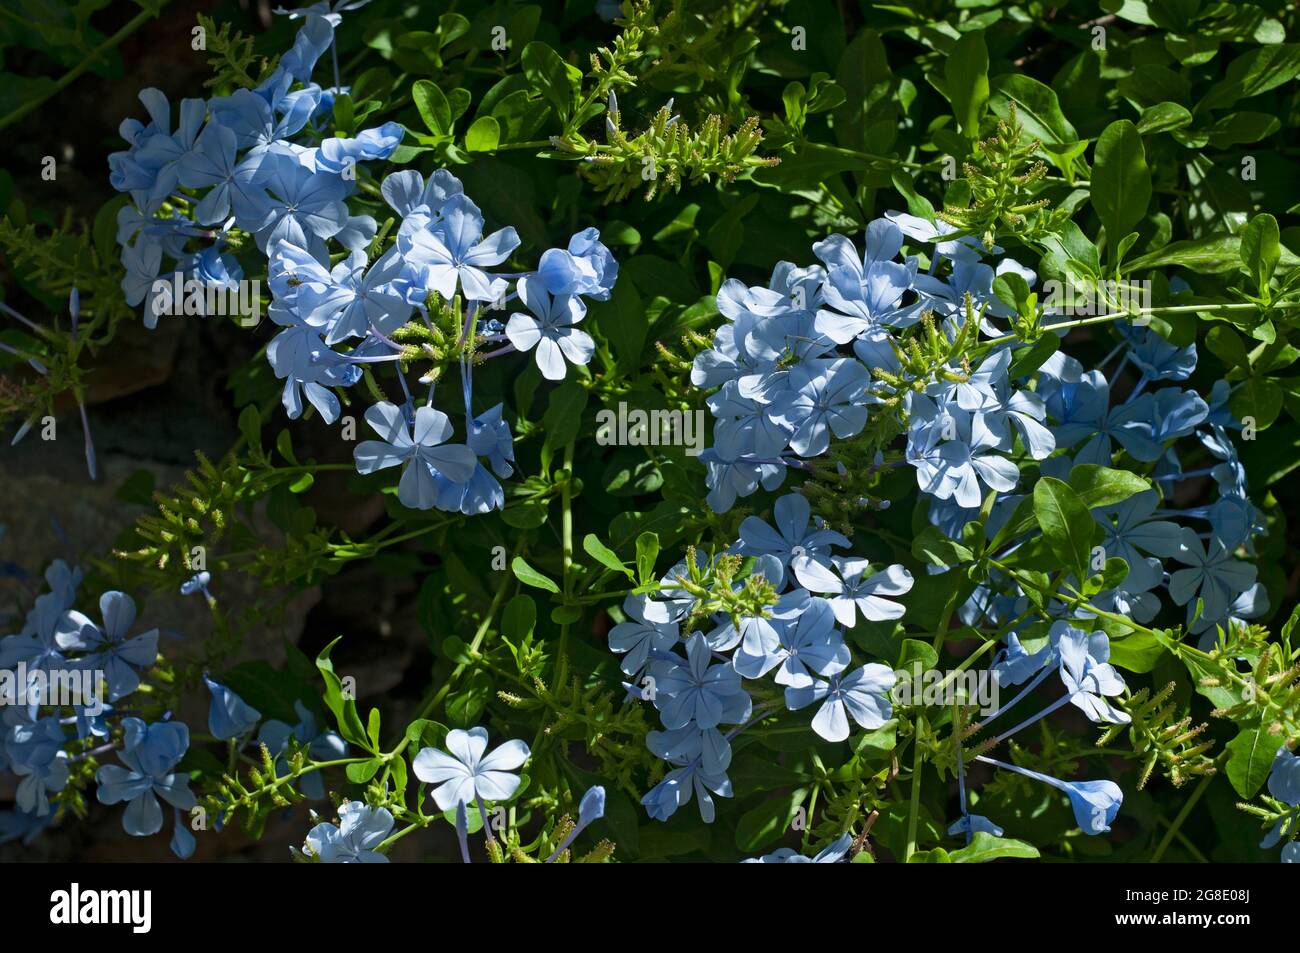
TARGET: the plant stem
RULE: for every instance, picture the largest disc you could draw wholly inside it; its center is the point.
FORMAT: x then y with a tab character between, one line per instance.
67	78
1181	816
914	811
479	634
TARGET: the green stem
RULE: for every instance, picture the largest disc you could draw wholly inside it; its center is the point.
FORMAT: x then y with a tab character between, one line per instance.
428	708
914	811
67	78
1182	816
1117	315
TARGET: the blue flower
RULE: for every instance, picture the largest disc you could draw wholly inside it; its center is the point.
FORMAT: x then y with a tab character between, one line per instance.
974	824
651	629
354	298
956	468
852	591
115	655
1095	803
304	207
38	644
1284	780
585	268
825	397
688	743
308	367
264	119
198	582
794	534
229	716
35	753
466	774
681	784
490	436
1015	664
423	450
1213	575
695	691
1085	414
309	45
732	472
590	809
408	195
551	329
1088	676
20	825
454	252
862	695
746	422
353	841
150	753
1251	604
806	641
1156	357
339	155
213	164
833	853
864	299
1130	531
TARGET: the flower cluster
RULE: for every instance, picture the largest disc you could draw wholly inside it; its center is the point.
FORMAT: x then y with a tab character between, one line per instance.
63	680
799	595
254	170
873	360
465	777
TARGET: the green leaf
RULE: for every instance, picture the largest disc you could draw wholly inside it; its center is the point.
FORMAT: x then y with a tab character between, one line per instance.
1259	399
466	705
1214	254
563	416
1037	106
1067	525
433	107
766	823
556	80
1163	117
967	73
604	555
647	551
362	771
1250	758
1261	249
530	576
1121	181
933	546
1252	73
519	618
916	650
1136	652
985	847
1101	486
344	709
622	322
268	689
1226	344
484	135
